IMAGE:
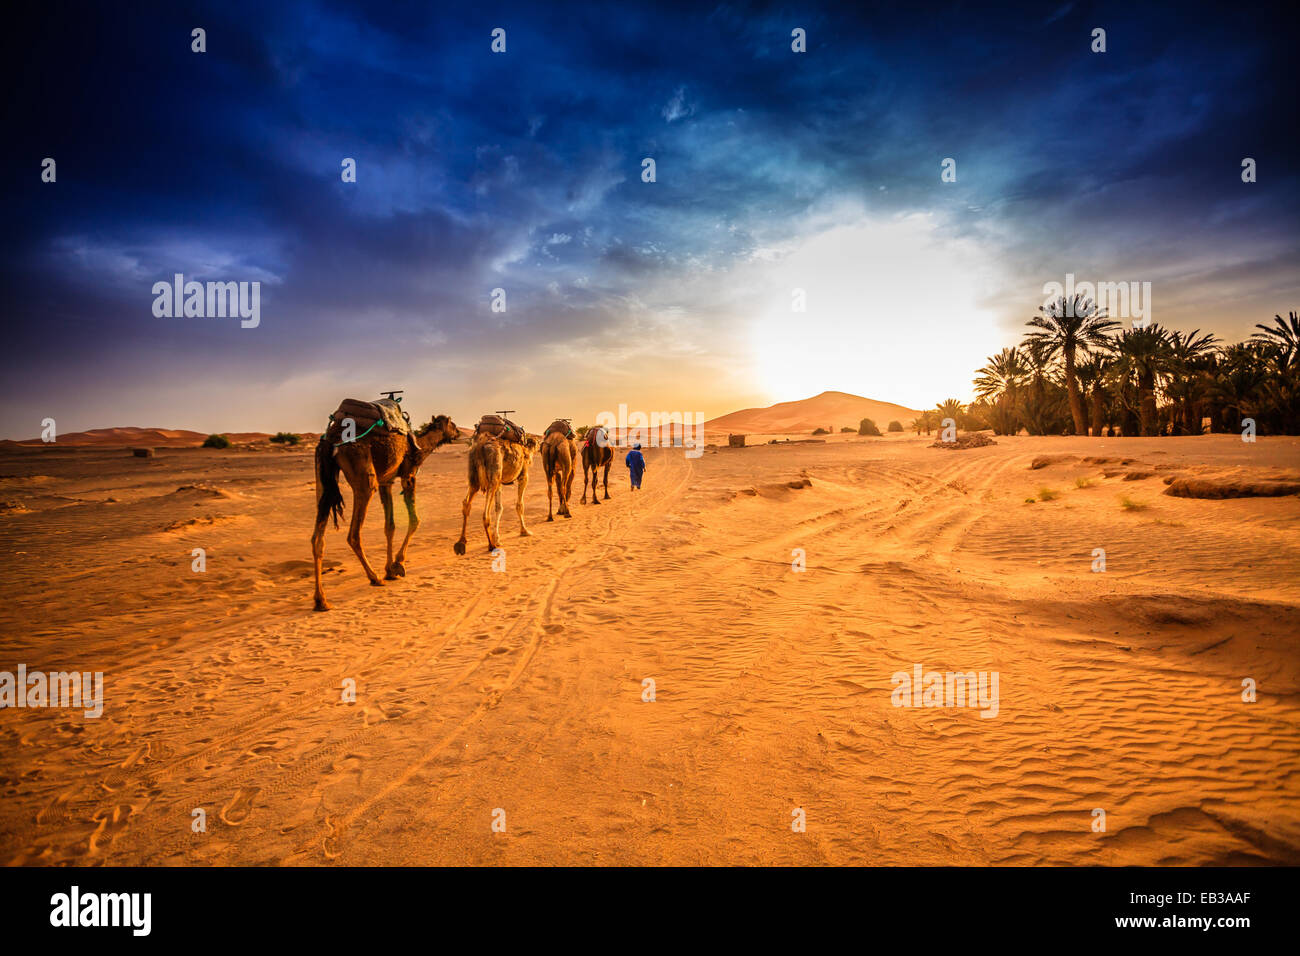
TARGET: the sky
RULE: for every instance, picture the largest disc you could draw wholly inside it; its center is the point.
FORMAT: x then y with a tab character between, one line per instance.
782	179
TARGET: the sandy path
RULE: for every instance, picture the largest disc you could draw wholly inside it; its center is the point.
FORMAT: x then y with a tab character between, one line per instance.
523	691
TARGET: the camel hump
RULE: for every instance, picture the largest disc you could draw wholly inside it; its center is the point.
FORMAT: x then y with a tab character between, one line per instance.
597	437
368	415
499	427
393	416
560	425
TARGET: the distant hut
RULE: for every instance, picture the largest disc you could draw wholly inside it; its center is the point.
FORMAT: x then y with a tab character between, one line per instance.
736	441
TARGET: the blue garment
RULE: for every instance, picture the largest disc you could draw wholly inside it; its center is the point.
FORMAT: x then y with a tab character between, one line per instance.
636	466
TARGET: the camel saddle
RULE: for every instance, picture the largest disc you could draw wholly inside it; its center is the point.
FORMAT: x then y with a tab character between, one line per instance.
383	415
560	425
499	427
592	433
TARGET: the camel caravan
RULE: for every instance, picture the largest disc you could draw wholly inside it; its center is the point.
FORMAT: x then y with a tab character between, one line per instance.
373	443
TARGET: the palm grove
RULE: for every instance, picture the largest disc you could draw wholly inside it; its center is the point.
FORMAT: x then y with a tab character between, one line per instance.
1078	372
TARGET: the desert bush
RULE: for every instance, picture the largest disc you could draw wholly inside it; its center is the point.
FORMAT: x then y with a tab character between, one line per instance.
895	426
820	431
216	441
867	427
847	429
1048	494
286	438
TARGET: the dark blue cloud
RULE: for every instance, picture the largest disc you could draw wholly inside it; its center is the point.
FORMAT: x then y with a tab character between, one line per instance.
522	171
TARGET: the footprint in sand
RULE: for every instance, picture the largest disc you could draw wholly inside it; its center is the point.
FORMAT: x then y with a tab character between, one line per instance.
56	811
110	823
239	808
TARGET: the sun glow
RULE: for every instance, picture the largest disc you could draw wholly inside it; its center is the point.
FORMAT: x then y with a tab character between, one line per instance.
892	312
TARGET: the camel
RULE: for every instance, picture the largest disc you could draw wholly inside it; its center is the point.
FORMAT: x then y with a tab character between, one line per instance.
370	464
494	462
559	452
596	451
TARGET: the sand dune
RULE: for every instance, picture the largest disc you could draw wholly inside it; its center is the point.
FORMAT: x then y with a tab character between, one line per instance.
125	436
833	410
523	691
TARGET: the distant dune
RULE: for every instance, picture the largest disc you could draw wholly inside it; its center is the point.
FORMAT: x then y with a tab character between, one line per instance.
832	410
129	435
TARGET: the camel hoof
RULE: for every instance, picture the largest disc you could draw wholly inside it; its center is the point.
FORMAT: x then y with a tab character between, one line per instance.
607	497
552	517
459	546
376	583
322	604
396	570
525	533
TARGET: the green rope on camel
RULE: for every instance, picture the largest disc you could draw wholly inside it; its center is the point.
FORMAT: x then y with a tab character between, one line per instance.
377	423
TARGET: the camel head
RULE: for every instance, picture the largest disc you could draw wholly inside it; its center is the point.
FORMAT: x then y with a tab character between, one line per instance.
440	431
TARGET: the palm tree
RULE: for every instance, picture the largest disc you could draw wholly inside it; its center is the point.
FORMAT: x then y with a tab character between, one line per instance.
1239	383
949	408
924	421
1066	327
1093	372
1284	334
1144	354
1191	358
1044	400
1004	373
999	383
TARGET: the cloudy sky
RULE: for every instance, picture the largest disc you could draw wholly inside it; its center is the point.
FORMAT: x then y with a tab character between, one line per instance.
522	171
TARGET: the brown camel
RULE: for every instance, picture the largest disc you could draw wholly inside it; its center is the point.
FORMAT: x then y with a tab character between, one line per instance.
559	452
494	462
596	452
370	464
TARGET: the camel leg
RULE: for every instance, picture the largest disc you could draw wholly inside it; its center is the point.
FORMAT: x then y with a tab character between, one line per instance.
595	483
550	516
390	526
492	528
459	546
363	487
568	491
584	481
522	482
317	550
412	522
607	464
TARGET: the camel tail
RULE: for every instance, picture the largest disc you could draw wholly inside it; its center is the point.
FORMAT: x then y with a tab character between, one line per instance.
329	500
477	473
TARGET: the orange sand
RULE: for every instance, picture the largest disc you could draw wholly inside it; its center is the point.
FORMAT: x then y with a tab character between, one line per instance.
523	691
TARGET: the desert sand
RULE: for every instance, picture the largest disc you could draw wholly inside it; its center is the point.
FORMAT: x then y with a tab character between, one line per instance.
522	690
